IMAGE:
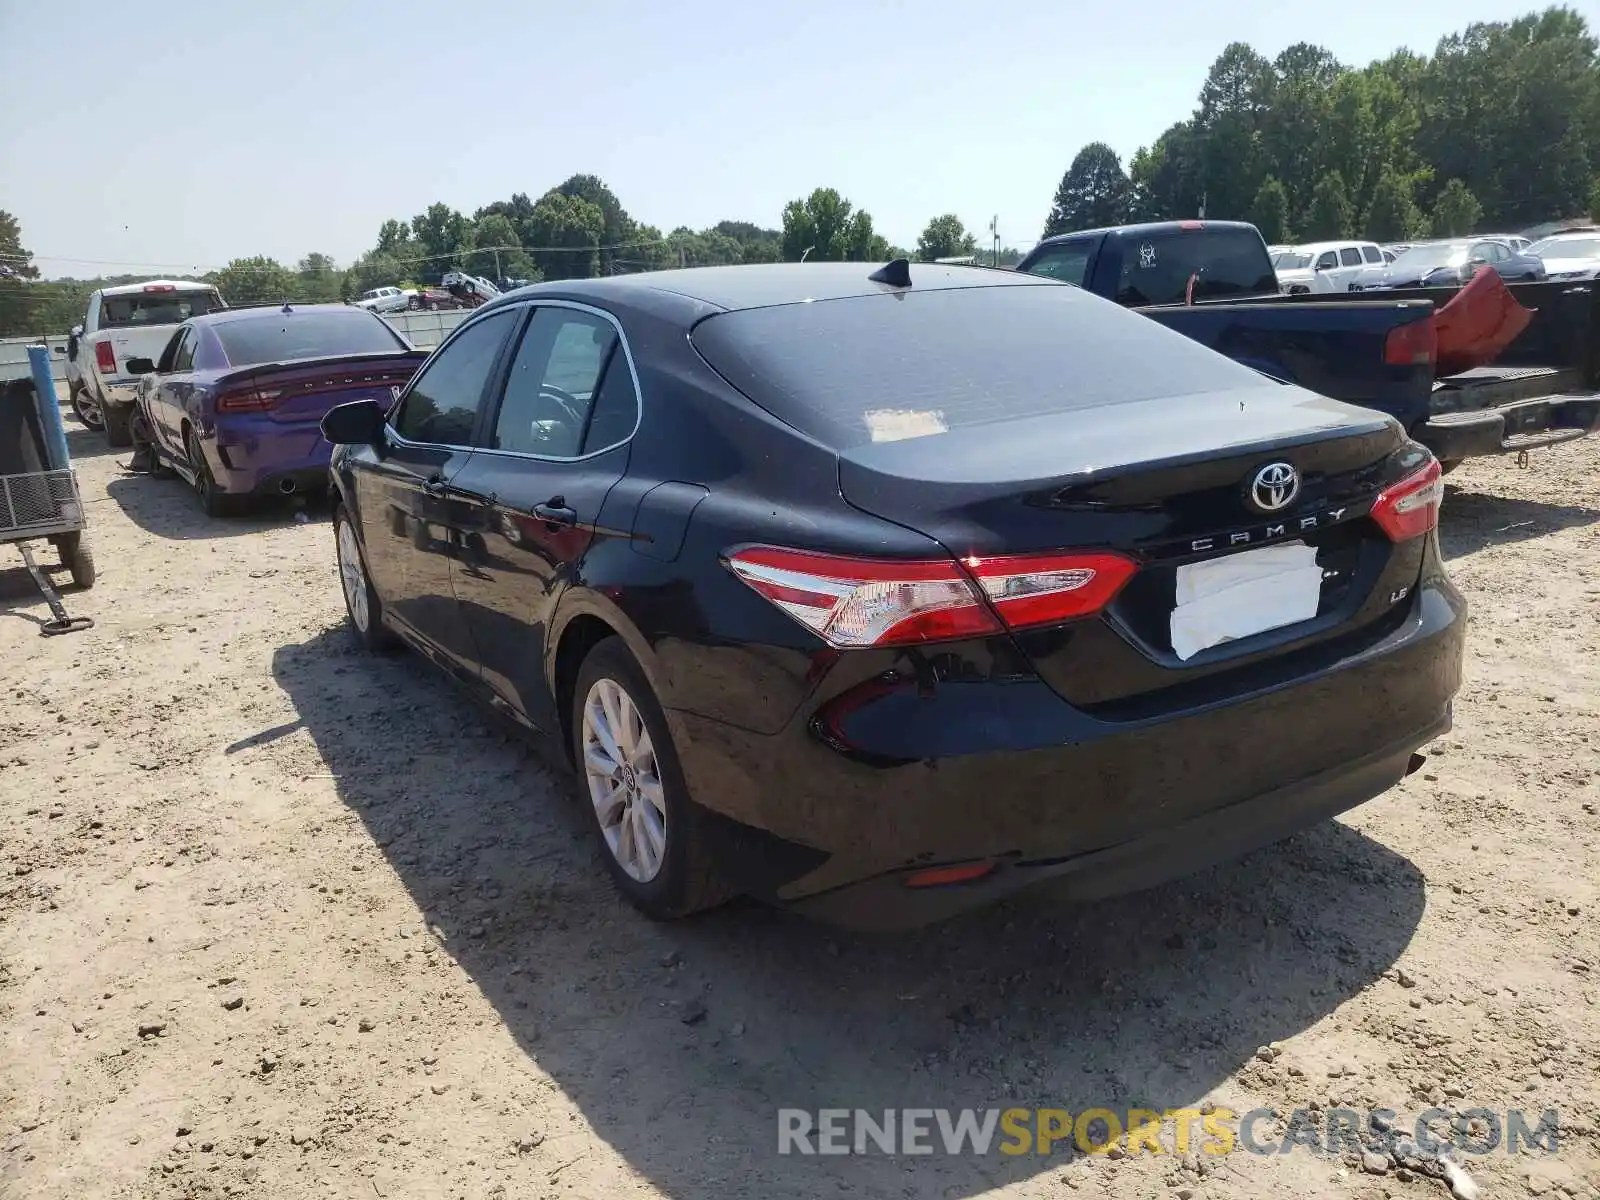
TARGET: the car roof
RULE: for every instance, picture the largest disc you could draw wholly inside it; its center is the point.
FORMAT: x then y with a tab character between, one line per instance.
1319	247
765	285
180	285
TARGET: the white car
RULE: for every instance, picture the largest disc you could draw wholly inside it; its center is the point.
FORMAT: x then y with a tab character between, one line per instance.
1574	255
1329	267
133	320
388	299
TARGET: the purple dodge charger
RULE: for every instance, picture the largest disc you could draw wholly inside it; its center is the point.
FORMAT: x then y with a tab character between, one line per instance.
234	403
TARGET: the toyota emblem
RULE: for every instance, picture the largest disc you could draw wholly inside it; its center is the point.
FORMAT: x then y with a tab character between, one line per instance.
1274	487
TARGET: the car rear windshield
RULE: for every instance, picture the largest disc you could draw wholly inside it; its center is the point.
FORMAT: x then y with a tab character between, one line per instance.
1291	260
1439	255
1157	267
157	308
275	336
879	368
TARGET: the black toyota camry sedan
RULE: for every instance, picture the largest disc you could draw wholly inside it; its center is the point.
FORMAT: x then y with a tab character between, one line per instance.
878	593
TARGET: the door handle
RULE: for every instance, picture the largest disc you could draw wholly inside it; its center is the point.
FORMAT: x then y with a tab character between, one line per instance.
554	511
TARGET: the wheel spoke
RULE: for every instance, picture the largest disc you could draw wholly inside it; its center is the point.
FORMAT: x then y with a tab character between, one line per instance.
600	725
597	762
650	789
655	834
627	848
609	798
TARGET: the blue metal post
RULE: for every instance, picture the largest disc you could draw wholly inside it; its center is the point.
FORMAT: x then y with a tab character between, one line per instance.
55	434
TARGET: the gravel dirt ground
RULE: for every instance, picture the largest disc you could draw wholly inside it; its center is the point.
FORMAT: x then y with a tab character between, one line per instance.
280	919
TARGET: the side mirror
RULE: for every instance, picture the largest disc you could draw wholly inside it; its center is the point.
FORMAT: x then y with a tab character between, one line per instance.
359	423
139	366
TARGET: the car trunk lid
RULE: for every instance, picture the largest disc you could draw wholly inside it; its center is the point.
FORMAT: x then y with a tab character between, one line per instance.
1166	482
305	391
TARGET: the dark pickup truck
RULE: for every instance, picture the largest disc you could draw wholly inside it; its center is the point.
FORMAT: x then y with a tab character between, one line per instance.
1213	281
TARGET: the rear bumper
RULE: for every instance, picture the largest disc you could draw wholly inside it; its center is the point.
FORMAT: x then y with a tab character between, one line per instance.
256	455
1525	425
1144	861
887	778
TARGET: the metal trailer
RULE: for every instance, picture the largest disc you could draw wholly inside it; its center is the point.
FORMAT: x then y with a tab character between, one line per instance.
45	503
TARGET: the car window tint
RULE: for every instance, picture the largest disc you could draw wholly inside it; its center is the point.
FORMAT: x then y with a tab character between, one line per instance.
1067	263
1350	256
1372	254
616	407
183	360
1169	267
169	352
1326	260
553	383
442	405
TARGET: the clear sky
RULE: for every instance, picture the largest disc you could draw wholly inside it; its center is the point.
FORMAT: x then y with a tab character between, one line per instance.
183	136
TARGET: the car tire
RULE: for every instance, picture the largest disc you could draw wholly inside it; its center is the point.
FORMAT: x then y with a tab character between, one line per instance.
116	420
85	409
651	834
213	501
362	607
77	558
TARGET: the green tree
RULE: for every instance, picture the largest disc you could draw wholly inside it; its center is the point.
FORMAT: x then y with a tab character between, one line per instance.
1594	199
1456	212
945	237
1095	191
563	235
825	227
1165	176
497	251
1269	211
1393	216
375	269
257	280
320	280
1234	100
20	299
1294	145
442	235
756	245
1329	216
618	229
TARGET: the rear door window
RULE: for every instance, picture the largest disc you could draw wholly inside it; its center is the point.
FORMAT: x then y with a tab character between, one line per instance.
569	390
1349	256
1157	267
1372	254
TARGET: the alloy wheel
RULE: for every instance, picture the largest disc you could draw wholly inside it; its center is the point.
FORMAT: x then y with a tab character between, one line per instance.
353	577
624	780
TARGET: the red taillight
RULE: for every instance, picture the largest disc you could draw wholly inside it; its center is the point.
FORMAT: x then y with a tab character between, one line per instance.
249	400
1412	345
1191	224
1410	508
945	876
159	287
852	602
1046	589
105	358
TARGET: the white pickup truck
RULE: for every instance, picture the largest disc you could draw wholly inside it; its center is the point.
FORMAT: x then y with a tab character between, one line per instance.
134	320
388	299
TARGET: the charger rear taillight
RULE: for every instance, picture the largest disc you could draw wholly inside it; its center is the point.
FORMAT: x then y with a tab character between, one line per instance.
853	602
249	400
1412	345
105	358
1410	508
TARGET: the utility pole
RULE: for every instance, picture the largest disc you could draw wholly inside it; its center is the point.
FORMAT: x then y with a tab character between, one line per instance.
994	233
497	276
